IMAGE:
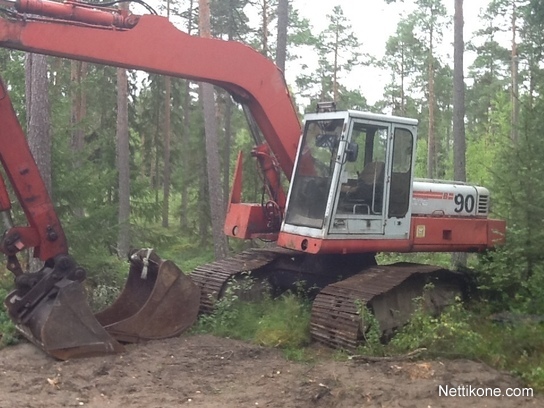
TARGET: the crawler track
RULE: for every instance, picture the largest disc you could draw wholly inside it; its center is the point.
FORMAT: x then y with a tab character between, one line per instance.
341	284
212	277
388	291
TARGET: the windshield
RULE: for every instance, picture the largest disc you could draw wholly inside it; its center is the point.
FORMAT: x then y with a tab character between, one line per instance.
312	180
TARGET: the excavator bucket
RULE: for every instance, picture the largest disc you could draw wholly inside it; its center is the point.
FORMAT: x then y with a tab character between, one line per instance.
49	307
158	301
61	322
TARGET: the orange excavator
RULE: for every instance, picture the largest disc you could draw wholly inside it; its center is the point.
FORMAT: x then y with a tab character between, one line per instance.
352	194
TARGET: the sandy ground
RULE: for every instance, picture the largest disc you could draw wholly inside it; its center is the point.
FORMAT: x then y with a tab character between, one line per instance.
205	371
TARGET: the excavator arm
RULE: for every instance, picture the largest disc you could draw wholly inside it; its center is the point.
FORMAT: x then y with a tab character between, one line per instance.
48	306
30	306
45	301
44	233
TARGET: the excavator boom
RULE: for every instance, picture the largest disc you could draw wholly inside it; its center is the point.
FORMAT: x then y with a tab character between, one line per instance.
152	43
88	32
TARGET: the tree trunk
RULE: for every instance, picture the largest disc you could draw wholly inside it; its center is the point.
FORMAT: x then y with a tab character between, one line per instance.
402	79
226	153
38	114
123	240
122	160
283	21
212	148
335	68
166	152
514	91
183	219
78	108
265	28
186	106
167	140
77	114
228	126
38	125
123	169
459	142
431	140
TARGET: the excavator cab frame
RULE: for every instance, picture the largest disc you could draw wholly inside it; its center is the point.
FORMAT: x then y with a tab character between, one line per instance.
336	195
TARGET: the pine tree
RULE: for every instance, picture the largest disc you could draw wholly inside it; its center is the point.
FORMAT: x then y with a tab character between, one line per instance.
212	151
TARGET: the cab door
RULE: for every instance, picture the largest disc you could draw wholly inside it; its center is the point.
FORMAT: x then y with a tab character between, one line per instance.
362	192
400	182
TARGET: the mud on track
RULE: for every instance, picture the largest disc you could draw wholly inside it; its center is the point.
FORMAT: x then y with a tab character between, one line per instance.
206	371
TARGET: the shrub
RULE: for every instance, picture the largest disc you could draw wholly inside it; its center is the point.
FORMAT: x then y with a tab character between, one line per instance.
450	332
8	333
283	322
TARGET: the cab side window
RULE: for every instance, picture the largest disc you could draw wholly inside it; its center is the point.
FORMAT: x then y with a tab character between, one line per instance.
403	145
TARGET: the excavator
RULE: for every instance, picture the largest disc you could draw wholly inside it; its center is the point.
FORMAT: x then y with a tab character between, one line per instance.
351	194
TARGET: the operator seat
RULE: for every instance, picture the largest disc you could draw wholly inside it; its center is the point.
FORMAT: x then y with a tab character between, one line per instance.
368	192
372	173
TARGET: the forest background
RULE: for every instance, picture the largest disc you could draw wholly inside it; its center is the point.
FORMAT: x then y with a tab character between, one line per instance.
130	157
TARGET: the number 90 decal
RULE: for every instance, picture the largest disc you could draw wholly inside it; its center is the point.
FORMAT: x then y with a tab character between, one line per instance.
464	203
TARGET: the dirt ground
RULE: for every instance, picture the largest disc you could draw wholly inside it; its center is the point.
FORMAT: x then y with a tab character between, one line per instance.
205	371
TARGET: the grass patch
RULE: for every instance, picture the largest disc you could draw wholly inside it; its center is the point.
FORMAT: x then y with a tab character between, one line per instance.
8	333
283	322
461	332
517	348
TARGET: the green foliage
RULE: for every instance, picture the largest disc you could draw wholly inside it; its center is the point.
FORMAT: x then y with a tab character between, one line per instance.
282	322
285	323
229	20
372	333
174	244
471	332
12	71
516	347
8	333
106	277
337	53
509	281
450	332
512	276
432	258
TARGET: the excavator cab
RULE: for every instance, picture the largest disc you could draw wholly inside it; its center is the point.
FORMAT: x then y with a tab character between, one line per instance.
352	181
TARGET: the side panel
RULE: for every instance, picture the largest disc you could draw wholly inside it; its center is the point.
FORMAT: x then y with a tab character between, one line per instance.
428	234
448	234
448	199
